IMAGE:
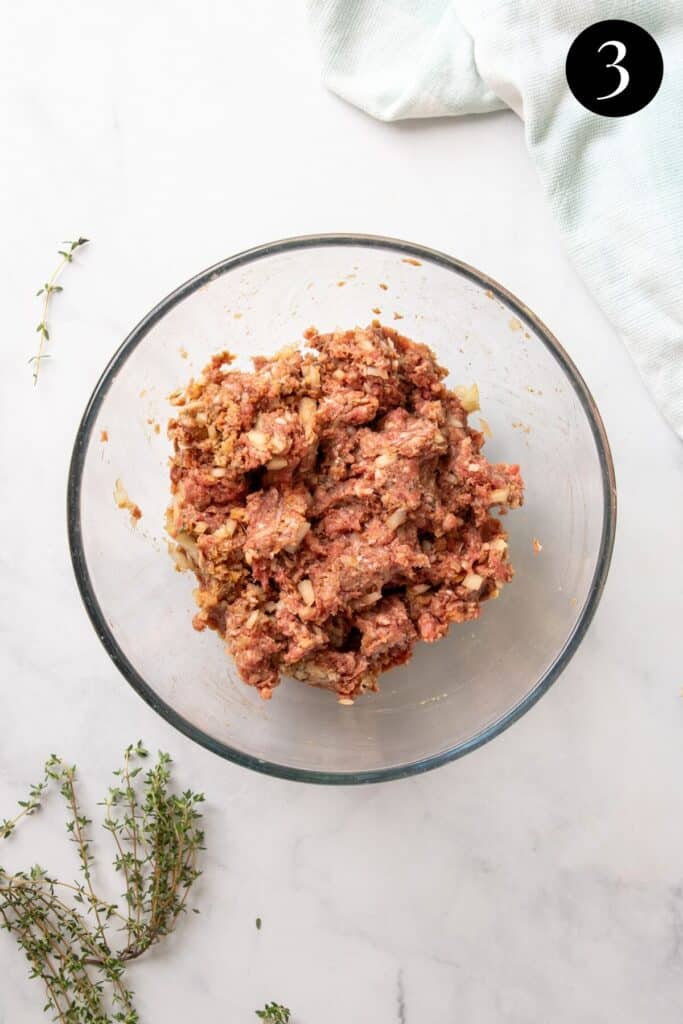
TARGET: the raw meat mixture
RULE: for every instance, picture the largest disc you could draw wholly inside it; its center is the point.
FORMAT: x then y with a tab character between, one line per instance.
335	507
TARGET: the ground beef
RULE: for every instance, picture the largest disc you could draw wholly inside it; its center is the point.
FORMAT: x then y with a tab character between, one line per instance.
335	507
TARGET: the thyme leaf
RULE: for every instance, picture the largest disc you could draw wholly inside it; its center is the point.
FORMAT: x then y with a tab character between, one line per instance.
48	290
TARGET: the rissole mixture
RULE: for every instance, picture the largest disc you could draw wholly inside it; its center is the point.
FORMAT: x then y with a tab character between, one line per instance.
335	507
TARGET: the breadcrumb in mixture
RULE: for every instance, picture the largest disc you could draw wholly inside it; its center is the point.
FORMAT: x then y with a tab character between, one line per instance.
335	507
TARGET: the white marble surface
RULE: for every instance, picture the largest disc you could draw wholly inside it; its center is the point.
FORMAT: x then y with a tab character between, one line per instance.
537	880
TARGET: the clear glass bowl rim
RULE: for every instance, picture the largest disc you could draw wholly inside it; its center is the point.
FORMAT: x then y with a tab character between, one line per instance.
98	619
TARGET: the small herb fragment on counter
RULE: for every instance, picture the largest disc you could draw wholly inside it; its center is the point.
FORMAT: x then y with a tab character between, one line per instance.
48	290
259	922
273	1013
67	932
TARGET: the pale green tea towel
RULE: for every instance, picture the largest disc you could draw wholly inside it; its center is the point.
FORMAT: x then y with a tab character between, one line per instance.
615	184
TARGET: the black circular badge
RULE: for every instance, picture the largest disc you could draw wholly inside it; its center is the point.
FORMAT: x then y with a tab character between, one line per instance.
614	68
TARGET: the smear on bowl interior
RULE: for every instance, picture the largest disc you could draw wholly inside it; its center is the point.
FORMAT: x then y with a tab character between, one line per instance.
336	507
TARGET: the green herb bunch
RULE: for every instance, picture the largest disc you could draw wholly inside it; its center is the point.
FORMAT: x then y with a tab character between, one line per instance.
78	944
48	290
273	1013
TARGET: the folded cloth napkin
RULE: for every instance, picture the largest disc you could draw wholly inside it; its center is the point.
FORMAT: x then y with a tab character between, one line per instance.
615	183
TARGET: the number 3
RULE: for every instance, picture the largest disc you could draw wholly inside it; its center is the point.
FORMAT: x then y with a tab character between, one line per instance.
624	77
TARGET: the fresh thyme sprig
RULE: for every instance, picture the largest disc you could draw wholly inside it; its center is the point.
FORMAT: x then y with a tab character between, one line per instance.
273	1013
65	928
48	290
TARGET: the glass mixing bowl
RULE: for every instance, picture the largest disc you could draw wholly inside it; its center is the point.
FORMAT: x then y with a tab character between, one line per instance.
453	695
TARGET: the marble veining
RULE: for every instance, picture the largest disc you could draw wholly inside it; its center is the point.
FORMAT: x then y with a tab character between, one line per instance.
400	999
